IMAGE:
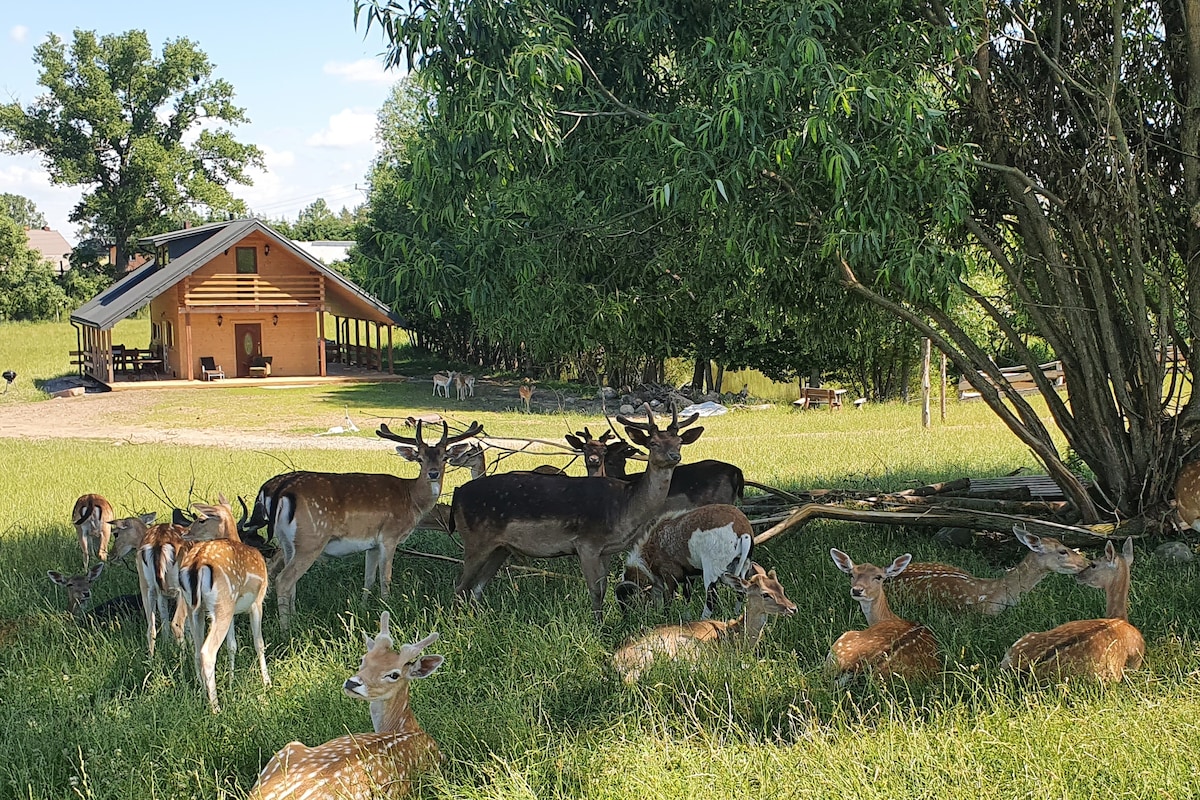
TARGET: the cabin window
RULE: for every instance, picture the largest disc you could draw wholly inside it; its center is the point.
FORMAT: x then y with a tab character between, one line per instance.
247	260
162	256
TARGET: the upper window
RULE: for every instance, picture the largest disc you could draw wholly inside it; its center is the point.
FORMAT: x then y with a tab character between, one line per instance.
247	260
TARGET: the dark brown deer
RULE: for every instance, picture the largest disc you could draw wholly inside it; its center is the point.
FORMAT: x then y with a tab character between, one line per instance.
548	516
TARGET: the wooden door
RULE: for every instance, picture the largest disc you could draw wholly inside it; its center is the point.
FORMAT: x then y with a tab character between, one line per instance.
249	346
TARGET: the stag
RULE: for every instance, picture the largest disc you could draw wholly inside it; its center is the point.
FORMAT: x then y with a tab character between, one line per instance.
548	516
340	514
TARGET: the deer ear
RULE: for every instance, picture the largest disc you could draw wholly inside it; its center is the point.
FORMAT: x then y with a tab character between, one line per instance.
1028	539
574	441
1127	550
1110	552
729	579
56	577
843	561
221	500
407	451
690	435
426	666
899	565
95	571
638	436
148	518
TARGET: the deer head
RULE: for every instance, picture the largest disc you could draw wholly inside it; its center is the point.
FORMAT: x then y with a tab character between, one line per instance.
384	675
213	522
431	457
866	582
662	445
79	587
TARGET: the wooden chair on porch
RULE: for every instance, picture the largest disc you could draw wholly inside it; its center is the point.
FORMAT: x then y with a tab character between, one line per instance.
209	369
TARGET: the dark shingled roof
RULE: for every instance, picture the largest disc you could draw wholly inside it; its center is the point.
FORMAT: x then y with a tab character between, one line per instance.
148	281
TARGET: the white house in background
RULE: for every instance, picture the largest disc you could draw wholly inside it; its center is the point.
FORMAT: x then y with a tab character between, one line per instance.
327	251
52	245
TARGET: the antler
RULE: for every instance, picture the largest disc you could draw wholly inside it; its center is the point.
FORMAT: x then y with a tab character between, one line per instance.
385	432
647	426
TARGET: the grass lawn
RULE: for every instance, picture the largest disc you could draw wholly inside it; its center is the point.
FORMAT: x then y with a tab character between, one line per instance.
527	704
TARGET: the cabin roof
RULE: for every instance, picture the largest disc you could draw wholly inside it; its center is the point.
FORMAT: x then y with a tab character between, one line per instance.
191	249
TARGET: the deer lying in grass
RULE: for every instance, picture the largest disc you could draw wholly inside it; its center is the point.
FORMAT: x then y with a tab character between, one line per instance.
92	516
1098	648
218	578
547	516
361	766
954	588
890	646
79	587
707	541
340	514
764	598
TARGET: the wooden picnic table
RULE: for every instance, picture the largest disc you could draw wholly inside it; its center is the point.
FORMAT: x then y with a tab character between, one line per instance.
812	396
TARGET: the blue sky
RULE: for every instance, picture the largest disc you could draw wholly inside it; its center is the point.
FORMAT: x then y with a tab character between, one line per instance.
310	83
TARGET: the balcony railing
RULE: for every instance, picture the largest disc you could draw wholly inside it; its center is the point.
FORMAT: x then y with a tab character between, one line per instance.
253	290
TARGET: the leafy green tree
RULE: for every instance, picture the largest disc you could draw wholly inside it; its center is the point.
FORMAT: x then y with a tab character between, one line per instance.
318	222
21	210
122	121
27	287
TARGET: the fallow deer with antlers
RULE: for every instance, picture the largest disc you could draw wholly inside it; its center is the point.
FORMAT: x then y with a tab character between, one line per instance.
340	514
362	766
955	588
890	646
1098	648
218	578
92	516
764	598
547	516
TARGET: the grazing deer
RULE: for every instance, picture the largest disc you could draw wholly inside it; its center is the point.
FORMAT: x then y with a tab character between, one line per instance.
219	578
362	766
340	514
1098	648
1187	495
465	384
707	541
526	392
93	516
890	646
441	384
764	598
547	516
79	587
954	588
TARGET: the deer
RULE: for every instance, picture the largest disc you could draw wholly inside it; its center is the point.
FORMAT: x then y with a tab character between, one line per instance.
218	578
361	766
526	392
1187	495
890	646
955	588
764	598
340	514
93	516
127	534
464	383
1095	648
707	541
549	516
79	587
162	546
441	384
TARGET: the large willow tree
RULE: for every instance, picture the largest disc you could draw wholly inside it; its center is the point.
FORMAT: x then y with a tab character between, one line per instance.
909	150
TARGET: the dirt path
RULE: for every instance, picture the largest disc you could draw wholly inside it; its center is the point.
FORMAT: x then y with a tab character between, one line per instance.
88	417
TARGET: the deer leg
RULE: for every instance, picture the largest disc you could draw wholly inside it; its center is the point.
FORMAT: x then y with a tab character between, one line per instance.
596	577
372	567
222	619
231	645
104	532
198	637
256	617
83	544
478	569
149	604
285	585
179	620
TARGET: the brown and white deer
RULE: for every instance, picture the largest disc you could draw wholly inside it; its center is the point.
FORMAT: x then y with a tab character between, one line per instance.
79	587
441	384
362	766
218	578
1187	495
464	383
162	546
764	598
1098	648
890	646
92	516
955	588
341	514
526	393
548	516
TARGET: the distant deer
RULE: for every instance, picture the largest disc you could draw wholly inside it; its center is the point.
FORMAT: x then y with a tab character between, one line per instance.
764	598
340	514
890	646
546	516
526	392
707	541
1099	648
362	766
1187	495
92	516
441	384
219	578
79	587
954	588
464	383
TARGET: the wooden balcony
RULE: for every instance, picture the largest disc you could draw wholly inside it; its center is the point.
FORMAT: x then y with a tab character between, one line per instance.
249	292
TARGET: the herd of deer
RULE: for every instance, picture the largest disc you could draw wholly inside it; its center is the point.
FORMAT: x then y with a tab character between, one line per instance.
676	521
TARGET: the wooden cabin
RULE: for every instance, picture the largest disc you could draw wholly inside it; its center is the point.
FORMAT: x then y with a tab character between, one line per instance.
242	295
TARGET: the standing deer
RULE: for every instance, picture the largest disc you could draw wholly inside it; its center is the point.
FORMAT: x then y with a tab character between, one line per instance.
548	516
93	516
219	578
526	393
1187	495
890	646
128	533
362	766
162	546
1098	648
340	514
764	598
441	384
954	588
465	384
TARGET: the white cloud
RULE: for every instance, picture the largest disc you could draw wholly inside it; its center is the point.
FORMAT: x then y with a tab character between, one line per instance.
347	128
18	33
365	70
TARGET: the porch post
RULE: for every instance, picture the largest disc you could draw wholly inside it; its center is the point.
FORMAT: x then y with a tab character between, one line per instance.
391	355
321	343
190	371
